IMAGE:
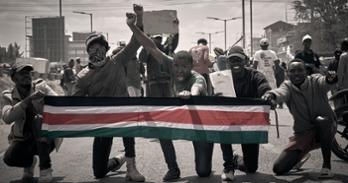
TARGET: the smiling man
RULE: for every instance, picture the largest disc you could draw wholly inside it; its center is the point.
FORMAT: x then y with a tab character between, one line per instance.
249	83
314	120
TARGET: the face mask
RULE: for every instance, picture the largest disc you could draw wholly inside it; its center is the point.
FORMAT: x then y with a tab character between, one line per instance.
97	56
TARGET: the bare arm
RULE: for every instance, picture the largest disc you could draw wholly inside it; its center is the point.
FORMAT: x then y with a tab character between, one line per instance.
144	40
340	70
131	48
206	57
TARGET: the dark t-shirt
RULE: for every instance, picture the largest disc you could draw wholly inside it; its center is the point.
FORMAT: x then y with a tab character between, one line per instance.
309	59
253	85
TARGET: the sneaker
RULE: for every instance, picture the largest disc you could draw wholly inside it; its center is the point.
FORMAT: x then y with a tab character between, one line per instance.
325	173
46	176
238	163
172	174
227	175
28	173
299	165
119	160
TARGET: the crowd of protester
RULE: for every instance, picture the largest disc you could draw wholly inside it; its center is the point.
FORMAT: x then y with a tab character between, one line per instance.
300	84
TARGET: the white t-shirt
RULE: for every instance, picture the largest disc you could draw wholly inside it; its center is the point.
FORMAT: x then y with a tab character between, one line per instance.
266	60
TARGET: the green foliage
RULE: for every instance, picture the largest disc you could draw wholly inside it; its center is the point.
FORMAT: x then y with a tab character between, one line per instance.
331	14
10	54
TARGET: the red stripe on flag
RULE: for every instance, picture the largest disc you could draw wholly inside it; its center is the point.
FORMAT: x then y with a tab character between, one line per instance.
199	117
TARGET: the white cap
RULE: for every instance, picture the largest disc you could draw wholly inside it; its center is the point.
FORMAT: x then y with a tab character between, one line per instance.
264	42
307	36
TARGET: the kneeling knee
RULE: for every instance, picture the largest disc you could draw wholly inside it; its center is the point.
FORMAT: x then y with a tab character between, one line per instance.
278	170
203	173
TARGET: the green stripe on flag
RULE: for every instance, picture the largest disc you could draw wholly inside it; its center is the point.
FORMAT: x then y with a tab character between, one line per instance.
235	137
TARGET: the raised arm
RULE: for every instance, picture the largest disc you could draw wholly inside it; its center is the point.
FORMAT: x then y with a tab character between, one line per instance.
131	48
144	40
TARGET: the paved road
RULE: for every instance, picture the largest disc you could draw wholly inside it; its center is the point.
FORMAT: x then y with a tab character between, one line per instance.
73	162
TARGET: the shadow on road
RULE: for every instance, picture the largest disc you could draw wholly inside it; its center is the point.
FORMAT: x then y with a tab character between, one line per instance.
305	176
35	180
257	177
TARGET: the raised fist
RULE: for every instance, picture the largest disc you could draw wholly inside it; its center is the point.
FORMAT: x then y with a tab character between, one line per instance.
131	18
138	9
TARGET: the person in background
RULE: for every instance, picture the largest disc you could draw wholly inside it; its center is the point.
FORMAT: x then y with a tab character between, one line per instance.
69	79
159	77
201	62
78	66
23	107
279	74
132	73
220	60
342	70
264	61
308	56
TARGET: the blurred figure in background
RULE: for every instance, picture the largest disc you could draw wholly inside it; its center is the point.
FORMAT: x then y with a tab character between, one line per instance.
342	70
201	62
308	56
264	61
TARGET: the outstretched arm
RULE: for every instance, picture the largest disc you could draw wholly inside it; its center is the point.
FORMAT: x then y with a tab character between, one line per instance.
144	40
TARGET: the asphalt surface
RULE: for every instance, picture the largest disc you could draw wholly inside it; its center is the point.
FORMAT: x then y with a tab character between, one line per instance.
73	163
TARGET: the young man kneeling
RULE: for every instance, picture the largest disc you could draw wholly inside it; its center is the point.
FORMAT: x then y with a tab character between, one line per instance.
314	120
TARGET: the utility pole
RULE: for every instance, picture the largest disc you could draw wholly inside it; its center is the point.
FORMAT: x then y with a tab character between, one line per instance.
251	27
225	21
286	12
60	8
243	16
90	16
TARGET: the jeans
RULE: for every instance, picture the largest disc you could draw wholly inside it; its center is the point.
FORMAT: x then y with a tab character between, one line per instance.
250	157
21	153
203	156
101	152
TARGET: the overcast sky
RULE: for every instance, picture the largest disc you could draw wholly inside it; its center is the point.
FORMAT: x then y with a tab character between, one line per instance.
109	16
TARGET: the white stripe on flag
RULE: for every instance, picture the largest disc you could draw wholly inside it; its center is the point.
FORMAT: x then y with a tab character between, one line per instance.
83	127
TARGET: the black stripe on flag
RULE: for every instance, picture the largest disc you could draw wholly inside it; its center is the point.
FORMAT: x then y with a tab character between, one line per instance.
149	101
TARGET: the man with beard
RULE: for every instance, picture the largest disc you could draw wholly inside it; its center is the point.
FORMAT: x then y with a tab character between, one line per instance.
314	120
249	83
105	77
187	82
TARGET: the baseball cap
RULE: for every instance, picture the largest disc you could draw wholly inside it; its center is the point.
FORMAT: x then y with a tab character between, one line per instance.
305	37
236	51
20	66
96	38
264	42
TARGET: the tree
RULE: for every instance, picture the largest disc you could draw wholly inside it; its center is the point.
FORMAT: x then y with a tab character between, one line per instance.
330	15
10	54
